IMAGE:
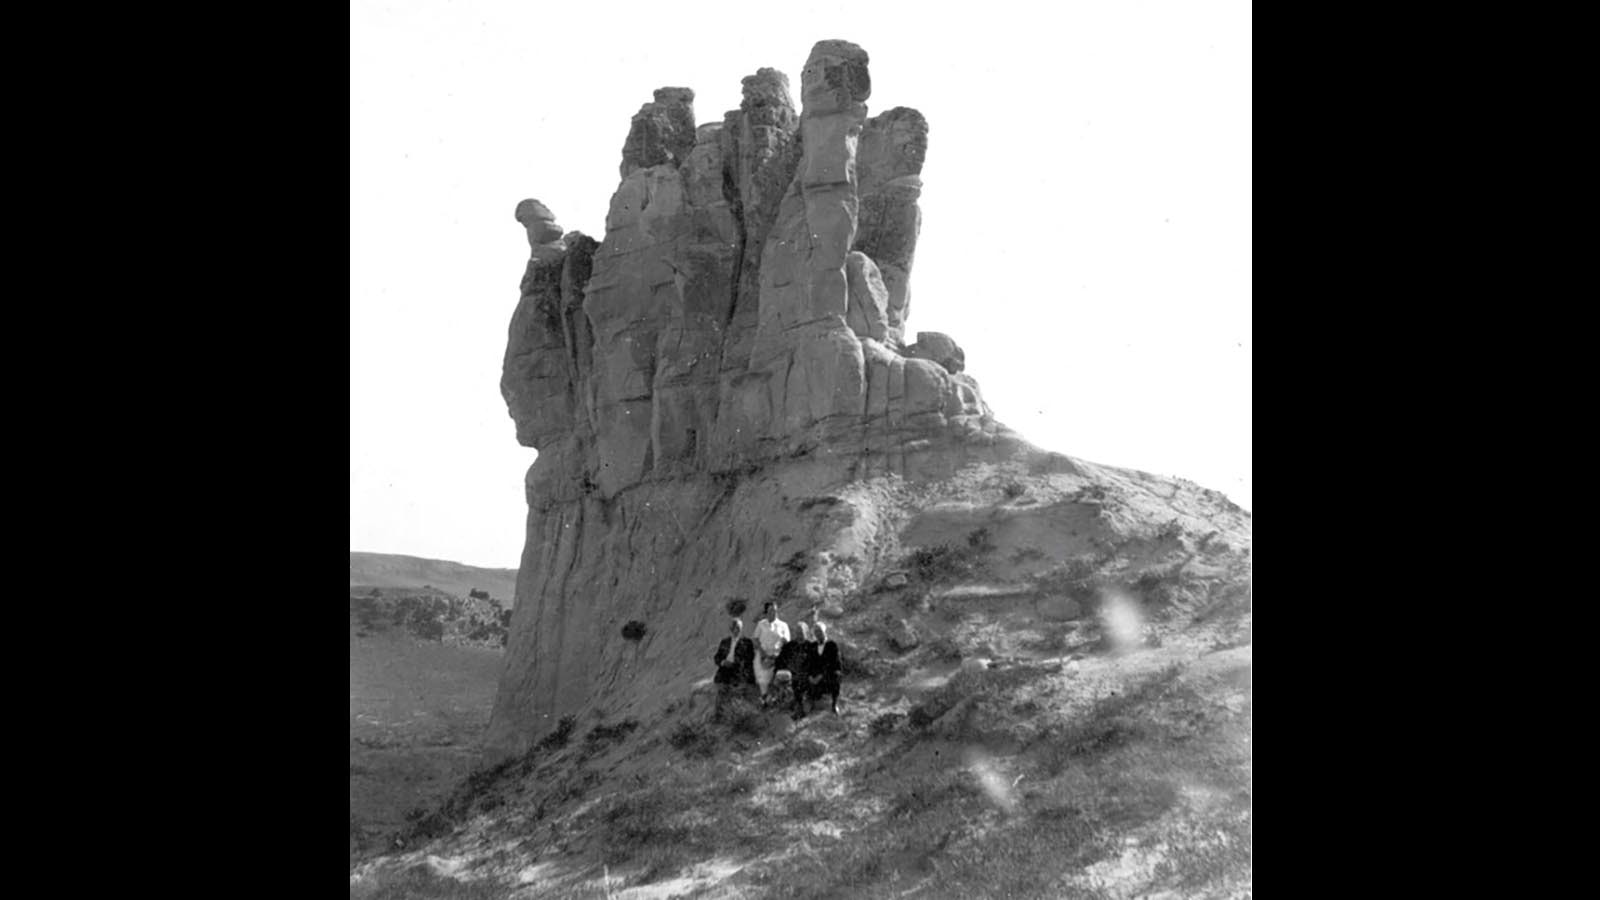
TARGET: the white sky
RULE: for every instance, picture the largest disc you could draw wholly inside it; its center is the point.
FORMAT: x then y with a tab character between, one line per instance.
1086	231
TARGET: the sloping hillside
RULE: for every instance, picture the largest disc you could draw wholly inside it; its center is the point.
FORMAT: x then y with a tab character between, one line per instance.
1048	693
1047	661
393	570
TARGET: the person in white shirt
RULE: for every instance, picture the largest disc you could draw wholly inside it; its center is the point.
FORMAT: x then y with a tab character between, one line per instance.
771	634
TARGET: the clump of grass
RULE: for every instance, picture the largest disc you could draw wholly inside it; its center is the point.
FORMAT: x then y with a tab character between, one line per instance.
945	562
1026	554
1078	578
635	820
746	720
558	738
991	689
791	569
670	820
478	792
939	563
886	724
924	792
1114	721
810	502
1012	489
601	737
979	540
803	750
943	648
633	631
854	665
1054	639
1093	495
693	739
1028	707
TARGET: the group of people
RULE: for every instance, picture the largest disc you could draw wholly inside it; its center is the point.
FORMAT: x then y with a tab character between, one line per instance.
804	660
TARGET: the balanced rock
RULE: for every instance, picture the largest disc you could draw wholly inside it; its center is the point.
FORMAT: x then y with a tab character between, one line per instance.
939	348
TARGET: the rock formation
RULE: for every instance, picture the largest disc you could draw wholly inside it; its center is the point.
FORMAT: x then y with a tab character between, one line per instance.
712	387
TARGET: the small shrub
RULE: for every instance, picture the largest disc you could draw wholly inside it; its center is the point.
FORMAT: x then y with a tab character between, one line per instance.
1055	640
792	568
1013	489
804	750
943	562
858	666
944	649
1094	494
1078	578
602	735
886	724
915	601
426	625
922	715
558	738
694	739
736	607
633	631
810	502
807	806
746	720
980	540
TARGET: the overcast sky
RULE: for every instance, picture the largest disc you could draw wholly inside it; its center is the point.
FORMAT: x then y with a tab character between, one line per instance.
1086	213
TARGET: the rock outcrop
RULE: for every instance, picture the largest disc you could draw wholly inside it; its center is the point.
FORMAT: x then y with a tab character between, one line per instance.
750	296
713	387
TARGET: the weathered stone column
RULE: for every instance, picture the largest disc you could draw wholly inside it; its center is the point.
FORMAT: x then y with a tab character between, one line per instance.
804	344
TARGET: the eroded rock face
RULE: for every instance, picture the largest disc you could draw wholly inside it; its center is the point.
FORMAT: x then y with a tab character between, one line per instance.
941	348
746	308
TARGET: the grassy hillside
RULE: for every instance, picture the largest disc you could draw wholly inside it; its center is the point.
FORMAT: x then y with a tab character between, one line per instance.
1036	705
417	708
391	570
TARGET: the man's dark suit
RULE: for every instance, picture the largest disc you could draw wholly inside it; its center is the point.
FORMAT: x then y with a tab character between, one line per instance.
743	669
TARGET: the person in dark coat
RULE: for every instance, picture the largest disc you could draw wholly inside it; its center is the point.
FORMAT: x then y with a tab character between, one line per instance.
734	659
824	668
797	658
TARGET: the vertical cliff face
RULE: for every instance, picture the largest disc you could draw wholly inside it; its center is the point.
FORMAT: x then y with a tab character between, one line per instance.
735	341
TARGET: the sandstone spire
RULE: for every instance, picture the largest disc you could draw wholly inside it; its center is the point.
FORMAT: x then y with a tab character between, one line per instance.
745	309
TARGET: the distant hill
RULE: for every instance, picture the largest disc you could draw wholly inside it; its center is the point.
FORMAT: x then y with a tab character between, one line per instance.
393	570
